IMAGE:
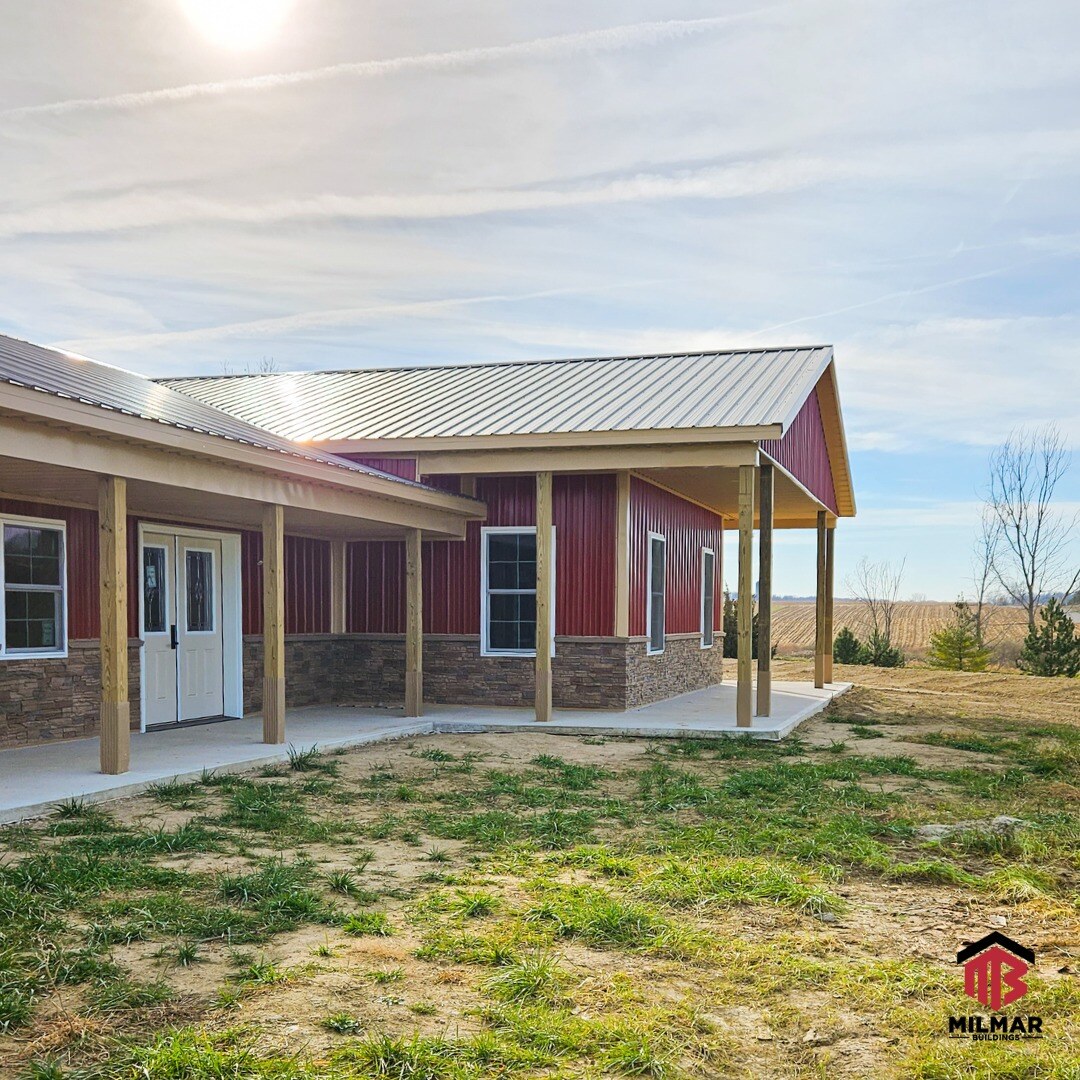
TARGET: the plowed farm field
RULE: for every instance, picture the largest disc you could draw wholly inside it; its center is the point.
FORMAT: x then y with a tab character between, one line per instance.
793	623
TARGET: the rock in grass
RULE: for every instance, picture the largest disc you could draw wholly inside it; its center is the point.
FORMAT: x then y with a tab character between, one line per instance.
1002	825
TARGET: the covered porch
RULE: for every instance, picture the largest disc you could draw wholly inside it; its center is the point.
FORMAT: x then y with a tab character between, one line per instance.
104	479
37	778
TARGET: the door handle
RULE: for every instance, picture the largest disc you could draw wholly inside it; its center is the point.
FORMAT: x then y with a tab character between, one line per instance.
172	636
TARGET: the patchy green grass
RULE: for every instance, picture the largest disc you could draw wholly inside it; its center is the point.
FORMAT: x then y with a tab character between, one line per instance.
465	910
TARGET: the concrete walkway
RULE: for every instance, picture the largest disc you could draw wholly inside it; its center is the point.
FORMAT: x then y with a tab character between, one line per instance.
33	779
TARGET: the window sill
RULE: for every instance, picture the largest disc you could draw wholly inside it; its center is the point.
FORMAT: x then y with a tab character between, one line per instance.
31	655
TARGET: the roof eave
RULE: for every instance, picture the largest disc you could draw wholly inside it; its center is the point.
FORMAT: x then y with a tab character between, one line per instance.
42	405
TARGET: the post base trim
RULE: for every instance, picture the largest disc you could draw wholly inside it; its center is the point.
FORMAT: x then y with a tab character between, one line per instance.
115	747
273	710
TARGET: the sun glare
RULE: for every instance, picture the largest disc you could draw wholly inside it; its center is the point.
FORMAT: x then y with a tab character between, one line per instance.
237	24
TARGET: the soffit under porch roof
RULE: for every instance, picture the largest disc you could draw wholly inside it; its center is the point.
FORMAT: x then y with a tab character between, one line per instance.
39	482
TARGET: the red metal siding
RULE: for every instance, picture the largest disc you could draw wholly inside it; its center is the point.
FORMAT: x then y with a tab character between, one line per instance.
307	584
804	453
403	467
688	528
584	515
376	586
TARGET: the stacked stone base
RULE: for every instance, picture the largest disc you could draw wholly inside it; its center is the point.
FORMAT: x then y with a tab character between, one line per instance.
587	673
45	700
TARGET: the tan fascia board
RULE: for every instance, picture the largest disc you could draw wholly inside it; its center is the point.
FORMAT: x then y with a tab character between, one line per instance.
90	452
556	439
836	441
587	459
70	413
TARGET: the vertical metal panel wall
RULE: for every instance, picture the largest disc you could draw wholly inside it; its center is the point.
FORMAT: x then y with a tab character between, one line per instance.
688	528
396	466
307	584
584	512
804	452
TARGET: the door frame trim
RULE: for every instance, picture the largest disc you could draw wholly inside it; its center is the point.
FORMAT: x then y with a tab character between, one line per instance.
232	629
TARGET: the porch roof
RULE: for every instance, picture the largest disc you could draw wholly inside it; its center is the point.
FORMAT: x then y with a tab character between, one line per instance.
68	419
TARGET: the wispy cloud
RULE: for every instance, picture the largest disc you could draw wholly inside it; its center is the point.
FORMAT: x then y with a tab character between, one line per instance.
311	320
610	39
161	209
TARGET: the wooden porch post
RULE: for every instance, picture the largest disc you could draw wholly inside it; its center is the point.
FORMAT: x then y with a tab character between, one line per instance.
273	541
115	741
338	596
622	554
765	544
830	543
414	624
819	610
544	600
744	689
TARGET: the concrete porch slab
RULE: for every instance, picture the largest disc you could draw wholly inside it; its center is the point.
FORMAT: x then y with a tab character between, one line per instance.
34	779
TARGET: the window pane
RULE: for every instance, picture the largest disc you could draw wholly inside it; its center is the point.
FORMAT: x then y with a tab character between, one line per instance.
656	621
512	621
656	583
200	591
31	555
32	620
511	561
708	597
154	590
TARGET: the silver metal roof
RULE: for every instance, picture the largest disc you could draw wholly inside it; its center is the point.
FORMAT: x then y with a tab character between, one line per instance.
68	375
737	388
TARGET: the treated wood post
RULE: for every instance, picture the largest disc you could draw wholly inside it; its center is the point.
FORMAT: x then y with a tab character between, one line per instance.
819	610
338	591
115	741
273	542
622	554
744	688
830	543
414	624
545	607
765	545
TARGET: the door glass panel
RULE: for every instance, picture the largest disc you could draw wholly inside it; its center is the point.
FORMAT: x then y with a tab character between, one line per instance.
154	599
200	590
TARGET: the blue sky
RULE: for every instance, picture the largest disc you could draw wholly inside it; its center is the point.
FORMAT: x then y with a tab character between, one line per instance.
384	183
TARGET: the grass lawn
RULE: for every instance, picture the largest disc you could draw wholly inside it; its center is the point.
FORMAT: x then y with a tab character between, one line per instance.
520	905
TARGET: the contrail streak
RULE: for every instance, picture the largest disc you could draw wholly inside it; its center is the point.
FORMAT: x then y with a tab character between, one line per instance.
611	39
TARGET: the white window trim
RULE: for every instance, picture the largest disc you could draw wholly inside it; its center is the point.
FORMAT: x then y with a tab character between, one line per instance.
706	551
650	651
485	647
59	526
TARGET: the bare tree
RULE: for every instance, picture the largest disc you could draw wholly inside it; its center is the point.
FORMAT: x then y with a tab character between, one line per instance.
984	558
1035	552
876	586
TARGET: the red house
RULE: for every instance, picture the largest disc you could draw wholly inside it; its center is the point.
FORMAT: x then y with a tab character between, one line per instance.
209	547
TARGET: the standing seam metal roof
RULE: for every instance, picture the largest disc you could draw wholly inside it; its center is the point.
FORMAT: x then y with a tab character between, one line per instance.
67	375
735	388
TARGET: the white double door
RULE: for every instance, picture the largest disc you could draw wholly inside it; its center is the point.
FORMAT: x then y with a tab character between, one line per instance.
181	611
